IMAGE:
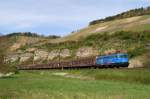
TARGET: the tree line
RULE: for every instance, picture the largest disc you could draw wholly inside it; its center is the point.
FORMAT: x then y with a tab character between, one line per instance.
29	34
127	14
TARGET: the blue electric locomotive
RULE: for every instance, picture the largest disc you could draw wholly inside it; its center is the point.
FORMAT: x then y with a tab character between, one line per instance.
113	60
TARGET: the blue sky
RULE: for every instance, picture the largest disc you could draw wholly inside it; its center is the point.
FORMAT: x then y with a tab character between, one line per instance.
58	17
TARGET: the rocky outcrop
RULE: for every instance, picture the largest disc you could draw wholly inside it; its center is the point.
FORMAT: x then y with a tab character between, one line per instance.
24	57
53	54
134	63
86	52
31	50
40	55
65	53
12	58
140	61
15	46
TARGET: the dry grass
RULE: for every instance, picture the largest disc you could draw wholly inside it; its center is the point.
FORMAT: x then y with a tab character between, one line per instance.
129	24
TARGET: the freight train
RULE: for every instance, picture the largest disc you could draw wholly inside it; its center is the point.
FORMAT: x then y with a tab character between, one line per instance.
105	61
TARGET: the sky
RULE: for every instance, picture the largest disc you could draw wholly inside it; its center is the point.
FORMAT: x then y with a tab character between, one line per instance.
58	17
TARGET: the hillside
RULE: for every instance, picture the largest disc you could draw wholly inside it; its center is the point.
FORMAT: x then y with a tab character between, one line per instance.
129	34
135	43
131	13
138	23
9	45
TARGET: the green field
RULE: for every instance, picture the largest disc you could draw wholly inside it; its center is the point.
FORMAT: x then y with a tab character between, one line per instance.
77	84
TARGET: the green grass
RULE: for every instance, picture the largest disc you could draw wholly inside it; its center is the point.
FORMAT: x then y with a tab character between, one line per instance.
45	85
141	75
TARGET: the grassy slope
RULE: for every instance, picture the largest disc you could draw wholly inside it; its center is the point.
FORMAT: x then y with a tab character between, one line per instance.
45	85
139	23
26	41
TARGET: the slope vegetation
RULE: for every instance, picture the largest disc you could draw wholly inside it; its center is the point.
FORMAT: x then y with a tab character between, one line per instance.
139	23
127	14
